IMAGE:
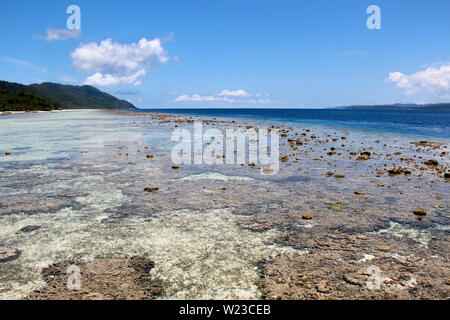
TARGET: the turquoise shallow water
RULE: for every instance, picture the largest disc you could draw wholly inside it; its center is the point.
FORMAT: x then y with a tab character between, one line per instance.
74	173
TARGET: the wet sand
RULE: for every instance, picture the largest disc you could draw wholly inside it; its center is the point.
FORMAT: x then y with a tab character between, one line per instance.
78	187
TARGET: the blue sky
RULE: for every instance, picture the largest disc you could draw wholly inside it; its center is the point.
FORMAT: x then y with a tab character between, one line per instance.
173	54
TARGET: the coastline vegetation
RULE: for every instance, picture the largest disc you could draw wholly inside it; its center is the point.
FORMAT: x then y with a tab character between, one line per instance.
23	101
49	96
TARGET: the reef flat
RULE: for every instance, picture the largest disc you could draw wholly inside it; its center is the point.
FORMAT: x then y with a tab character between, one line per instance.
98	190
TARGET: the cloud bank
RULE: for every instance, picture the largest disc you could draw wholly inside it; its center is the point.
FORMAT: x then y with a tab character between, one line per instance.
228	96
113	63
60	34
234	93
199	98
434	80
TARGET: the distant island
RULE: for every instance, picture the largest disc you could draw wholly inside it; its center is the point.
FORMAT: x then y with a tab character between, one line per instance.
50	96
399	106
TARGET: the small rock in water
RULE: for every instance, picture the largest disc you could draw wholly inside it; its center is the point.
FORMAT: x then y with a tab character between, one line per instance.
447	175
384	248
399	170
30	228
432	162
175	167
360	193
9	254
420	212
150	156
339	176
152	190
306	217
8	153
363	157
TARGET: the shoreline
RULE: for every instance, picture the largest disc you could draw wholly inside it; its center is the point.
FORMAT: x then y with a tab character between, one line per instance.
277	122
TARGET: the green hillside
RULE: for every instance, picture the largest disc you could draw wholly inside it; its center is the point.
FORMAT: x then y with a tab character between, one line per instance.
22	101
56	95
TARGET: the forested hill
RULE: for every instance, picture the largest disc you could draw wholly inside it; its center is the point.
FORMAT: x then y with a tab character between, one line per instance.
23	101
47	96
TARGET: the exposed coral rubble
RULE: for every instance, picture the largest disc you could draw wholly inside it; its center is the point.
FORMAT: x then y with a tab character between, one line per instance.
344	203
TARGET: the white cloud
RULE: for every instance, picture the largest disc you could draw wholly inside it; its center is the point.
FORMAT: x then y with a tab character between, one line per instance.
228	96
434	80
199	98
60	34
112	63
101	79
234	93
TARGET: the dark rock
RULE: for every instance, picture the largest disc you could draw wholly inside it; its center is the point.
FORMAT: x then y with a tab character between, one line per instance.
431	162
141	264
420	212
30	228
364	156
284	159
399	170
9	254
152	190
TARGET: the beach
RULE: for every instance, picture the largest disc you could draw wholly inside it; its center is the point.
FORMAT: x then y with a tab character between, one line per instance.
99	190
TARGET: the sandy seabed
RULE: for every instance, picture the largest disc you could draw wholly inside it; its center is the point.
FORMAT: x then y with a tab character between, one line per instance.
97	190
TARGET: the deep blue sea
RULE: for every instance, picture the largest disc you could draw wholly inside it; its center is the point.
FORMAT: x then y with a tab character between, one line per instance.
429	123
